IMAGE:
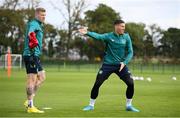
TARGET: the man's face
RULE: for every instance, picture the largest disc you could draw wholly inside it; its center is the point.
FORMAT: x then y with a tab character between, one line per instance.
41	16
119	28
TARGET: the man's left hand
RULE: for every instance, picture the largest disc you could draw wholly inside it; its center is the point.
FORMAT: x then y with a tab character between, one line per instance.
121	66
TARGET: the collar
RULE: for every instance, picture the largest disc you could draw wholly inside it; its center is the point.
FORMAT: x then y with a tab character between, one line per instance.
117	34
38	21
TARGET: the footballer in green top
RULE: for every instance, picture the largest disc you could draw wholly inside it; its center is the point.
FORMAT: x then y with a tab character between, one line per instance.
32	51
118	53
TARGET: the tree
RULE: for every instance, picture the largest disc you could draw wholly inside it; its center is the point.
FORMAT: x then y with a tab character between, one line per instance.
99	20
72	18
153	34
13	18
11	29
50	39
19	4
136	32
170	43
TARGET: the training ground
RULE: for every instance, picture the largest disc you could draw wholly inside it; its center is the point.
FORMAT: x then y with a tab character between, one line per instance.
67	91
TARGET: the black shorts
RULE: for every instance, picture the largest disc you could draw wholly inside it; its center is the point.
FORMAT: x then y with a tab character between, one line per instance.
32	64
107	69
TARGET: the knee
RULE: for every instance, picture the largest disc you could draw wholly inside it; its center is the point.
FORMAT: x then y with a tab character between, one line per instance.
31	79
129	81
42	75
99	79
130	84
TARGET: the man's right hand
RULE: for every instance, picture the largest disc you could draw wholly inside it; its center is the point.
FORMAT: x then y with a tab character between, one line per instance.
33	42
83	30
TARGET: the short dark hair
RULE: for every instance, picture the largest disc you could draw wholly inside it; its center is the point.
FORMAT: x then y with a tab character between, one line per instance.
119	21
40	9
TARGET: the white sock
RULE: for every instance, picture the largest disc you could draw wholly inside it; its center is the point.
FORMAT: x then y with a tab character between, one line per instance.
30	103
128	102
92	102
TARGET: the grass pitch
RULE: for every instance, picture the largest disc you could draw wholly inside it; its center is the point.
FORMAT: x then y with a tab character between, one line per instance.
68	92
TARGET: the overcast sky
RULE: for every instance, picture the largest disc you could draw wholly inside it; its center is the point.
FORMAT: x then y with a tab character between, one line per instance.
165	13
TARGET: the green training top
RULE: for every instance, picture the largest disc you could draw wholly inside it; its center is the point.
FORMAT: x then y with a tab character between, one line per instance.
37	27
118	47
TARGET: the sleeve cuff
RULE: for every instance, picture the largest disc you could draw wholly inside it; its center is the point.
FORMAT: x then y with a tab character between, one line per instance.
88	33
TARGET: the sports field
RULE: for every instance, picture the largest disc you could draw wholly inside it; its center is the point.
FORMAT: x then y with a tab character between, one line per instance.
68	92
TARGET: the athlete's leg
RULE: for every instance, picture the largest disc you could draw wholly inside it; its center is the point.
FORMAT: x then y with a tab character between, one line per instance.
100	78
40	74
102	75
125	75
40	79
31	79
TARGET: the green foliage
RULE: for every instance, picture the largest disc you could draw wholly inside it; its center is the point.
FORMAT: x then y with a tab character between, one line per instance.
99	20
137	33
147	42
171	43
11	29
49	38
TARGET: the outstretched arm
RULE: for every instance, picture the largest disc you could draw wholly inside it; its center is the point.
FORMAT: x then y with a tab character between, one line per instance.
94	35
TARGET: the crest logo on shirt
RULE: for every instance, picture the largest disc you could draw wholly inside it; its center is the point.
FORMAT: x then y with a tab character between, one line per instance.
112	40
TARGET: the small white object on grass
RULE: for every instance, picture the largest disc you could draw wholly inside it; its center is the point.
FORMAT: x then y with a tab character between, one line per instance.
149	79
141	78
174	78
135	78
46	108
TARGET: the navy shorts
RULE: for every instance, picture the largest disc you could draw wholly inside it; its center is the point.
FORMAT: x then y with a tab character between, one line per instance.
106	70
32	64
